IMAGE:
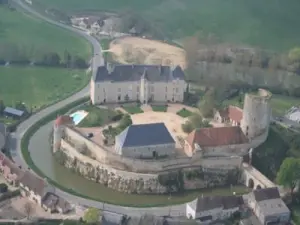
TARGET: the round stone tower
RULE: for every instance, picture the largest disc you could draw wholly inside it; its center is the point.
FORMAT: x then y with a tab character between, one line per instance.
256	113
58	130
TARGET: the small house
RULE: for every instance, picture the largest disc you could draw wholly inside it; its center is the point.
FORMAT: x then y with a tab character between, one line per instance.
211	208
34	188
55	204
10	171
268	207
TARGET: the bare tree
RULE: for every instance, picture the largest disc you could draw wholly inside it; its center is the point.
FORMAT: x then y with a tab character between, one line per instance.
28	209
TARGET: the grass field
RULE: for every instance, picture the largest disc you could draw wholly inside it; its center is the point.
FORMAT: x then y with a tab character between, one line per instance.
96	117
37	86
159	108
133	109
271	23
279	103
35	36
184	113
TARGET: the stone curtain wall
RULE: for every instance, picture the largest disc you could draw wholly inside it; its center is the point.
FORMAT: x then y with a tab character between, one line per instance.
129	182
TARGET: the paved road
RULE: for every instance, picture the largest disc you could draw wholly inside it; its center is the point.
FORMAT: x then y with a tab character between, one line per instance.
16	137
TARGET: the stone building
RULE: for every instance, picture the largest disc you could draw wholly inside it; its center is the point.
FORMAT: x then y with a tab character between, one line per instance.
144	83
212	208
216	141
58	129
231	114
145	141
268	207
256	113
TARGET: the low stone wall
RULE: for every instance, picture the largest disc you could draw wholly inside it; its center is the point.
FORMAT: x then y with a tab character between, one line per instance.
129	182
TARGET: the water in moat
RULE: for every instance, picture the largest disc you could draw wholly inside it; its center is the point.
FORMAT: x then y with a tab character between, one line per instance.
40	152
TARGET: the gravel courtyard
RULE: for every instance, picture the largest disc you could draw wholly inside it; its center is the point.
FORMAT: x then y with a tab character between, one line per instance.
172	121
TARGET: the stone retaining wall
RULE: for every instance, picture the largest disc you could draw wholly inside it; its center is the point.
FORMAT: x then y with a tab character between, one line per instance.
146	183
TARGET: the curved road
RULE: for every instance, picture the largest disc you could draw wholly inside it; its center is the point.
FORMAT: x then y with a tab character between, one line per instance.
176	210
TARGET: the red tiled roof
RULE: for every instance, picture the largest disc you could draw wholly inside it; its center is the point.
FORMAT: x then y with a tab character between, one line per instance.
232	112
14	169
217	136
61	120
235	113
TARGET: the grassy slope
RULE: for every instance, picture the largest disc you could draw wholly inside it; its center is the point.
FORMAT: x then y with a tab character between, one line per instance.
38	86
270	23
36	35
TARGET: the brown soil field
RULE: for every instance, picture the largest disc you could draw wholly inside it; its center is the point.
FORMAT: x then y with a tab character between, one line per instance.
144	51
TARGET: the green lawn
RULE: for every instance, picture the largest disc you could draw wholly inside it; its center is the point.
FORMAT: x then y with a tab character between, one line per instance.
270	23
279	103
184	113
133	109
159	108
34	36
96	117
38	86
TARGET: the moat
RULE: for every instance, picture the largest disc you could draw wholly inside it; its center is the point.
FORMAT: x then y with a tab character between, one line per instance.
42	157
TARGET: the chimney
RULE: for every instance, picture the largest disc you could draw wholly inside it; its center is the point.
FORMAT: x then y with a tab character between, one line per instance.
110	67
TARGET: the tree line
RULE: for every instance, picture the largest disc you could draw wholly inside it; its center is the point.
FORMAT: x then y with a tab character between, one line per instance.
21	55
198	49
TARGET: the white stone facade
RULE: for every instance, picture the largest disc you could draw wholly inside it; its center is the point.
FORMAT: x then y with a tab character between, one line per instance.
139	89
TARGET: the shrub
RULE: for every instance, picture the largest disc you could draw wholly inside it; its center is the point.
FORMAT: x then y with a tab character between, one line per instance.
117	117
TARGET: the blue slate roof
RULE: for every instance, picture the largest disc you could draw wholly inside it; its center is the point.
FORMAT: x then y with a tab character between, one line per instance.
13	111
145	135
153	73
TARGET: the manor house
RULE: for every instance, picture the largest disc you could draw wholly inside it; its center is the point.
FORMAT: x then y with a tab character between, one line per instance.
144	83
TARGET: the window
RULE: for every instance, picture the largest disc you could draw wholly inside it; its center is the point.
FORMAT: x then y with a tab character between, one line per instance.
152	89
119	97
177	90
103	90
166	97
119	89
166	89
138	89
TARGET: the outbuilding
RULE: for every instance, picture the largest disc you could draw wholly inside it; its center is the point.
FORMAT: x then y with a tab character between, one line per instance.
14	113
145	141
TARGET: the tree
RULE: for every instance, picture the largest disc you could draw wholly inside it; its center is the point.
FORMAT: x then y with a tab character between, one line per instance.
67	59
294	55
91	216
28	209
191	46
289	173
2	106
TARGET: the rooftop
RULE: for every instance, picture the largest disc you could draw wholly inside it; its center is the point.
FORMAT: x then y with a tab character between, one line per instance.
62	120
213	202
13	111
266	194
217	136
273	206
121	73
34	183
145	135
232	112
